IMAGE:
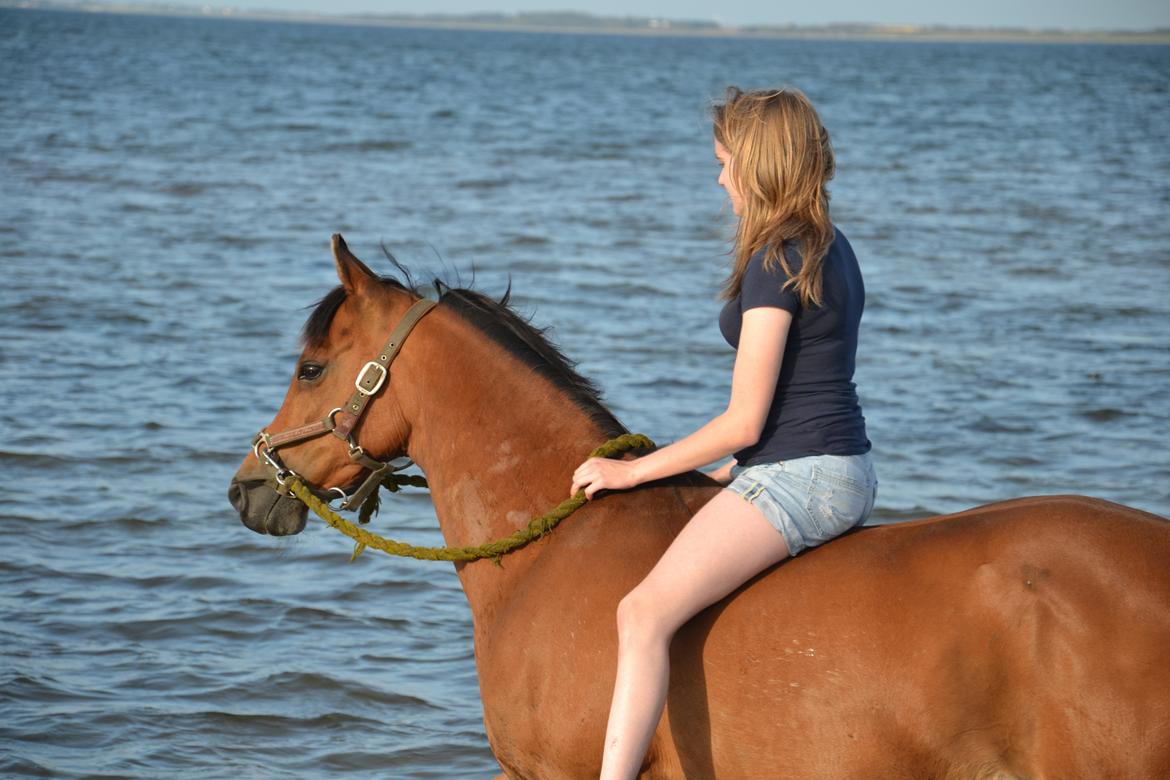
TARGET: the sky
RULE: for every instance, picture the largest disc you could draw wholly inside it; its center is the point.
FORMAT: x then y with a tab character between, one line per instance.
1058	14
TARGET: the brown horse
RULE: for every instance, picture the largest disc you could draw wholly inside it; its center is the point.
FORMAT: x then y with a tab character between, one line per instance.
1025	639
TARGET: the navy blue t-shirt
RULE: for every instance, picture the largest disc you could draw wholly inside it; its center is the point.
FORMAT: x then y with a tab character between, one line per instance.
815	410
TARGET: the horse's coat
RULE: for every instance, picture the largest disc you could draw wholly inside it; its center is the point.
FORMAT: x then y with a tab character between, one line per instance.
1024	639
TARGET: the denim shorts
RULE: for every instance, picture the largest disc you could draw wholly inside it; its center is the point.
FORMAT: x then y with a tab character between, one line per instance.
809	500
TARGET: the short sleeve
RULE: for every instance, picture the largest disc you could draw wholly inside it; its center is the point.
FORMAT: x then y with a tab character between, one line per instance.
763	287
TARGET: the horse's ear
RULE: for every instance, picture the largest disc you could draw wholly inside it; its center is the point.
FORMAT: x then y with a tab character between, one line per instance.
353	273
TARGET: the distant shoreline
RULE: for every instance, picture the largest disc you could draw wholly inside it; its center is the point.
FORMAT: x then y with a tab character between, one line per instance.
581	23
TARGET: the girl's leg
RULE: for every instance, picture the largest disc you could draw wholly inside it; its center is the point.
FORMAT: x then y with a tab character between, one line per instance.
724	545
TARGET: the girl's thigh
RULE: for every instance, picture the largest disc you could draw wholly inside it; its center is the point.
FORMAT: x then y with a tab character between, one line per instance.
723	546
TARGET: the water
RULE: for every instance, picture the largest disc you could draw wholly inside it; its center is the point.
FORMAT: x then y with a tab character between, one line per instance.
169	190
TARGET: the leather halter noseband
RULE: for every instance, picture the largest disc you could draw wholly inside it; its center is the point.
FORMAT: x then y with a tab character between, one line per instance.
342	420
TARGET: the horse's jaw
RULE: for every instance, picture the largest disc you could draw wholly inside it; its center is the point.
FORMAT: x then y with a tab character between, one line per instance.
265	511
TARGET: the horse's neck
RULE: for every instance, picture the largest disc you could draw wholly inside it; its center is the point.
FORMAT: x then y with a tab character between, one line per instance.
498	444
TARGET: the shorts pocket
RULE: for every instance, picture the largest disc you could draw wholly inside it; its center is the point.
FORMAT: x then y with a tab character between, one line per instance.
836	502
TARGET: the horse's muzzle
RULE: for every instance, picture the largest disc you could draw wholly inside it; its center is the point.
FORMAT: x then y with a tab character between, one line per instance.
264	510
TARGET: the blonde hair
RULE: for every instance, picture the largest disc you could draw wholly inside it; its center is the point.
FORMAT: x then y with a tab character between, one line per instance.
781	163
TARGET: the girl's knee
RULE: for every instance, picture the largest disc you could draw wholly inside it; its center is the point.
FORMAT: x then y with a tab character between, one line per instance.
627	613
640	619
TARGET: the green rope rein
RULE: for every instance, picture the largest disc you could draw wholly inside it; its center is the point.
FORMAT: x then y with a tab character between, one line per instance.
535	529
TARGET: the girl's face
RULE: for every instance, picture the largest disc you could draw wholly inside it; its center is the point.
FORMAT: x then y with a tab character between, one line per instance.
726	180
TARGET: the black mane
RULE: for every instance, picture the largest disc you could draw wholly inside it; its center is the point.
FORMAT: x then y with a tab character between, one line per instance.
499	322
316	329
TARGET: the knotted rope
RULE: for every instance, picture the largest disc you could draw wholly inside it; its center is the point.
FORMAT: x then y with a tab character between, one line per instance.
535	529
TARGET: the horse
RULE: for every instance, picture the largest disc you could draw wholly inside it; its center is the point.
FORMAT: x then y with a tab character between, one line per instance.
1021	639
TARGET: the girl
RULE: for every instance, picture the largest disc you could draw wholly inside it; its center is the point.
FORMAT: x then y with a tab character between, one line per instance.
802	472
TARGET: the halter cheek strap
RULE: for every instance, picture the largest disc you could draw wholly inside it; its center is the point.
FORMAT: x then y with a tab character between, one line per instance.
342	420
375	373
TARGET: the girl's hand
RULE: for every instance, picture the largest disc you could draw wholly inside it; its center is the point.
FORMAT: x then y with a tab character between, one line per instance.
722	475
603	474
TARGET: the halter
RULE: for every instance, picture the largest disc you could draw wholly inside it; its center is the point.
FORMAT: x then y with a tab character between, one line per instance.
341	420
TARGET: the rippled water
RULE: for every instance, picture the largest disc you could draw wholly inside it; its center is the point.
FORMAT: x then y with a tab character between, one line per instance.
169	189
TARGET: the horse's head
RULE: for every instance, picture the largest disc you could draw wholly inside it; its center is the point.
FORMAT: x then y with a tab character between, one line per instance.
316	433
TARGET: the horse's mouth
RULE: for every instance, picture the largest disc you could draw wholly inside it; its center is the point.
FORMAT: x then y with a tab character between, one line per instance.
265	511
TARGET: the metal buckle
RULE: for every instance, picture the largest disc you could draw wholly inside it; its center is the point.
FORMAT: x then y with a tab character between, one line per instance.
281	474
257	440
357	383
343	495
266	455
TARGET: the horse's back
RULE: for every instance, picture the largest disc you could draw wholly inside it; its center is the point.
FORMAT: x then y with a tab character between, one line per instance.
1019	639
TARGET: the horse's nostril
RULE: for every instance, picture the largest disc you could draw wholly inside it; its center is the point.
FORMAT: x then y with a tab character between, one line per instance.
238	496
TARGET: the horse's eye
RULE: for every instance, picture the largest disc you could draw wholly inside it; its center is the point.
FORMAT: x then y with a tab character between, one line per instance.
310	371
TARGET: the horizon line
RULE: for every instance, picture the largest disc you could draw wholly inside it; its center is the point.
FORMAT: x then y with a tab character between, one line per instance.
570	21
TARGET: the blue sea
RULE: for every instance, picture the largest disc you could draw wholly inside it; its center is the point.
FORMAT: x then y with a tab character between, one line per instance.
169	186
